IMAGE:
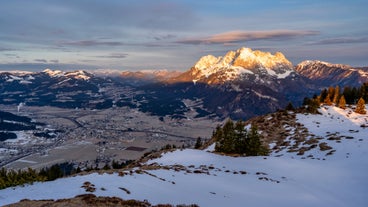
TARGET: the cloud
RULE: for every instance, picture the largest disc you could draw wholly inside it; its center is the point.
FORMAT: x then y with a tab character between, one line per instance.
54	61
12	55
90	43
3	49
342	40
113	55
164	37
241	36
40	60
41	66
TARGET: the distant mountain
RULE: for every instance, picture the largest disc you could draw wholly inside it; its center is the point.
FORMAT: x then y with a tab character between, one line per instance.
53	87
245	83
326	74
240	64
147	76
241	84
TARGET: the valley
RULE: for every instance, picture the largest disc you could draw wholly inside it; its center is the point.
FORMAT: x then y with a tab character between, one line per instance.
96	137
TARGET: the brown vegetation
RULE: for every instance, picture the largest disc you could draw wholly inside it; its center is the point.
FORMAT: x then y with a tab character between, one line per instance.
90	200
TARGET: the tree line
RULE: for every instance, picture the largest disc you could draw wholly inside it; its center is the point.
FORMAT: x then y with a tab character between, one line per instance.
340	98
9	178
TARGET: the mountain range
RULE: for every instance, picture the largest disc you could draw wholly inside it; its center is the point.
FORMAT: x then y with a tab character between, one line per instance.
241	84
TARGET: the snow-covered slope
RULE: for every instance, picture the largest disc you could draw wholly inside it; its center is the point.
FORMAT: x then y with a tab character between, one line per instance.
78	74
208	179
328	74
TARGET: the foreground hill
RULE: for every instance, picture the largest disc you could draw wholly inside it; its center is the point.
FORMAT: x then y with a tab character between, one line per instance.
331	171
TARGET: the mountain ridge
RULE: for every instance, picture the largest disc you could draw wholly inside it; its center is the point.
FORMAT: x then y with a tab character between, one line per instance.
326	74
241	84
216	70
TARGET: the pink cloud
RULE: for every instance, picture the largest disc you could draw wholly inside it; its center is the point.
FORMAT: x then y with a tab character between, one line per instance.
241	36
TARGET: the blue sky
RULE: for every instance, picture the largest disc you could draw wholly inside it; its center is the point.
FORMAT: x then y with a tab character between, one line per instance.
160	34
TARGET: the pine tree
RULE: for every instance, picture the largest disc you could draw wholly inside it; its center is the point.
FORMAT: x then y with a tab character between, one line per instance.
240	138
331	92
219	138
342	102
229	136
198	143
323	95
289	107
349	94
328	100
254	145
364	91
360	108
336	95
354	95
236	139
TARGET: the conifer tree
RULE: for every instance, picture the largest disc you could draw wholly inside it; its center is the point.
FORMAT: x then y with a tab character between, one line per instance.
240	138
219	138
354	95
323	96
198	143
336	95
229	136
289	107
360	108
348	95
236	139
342	102
331	92
328	100
364	91
254	145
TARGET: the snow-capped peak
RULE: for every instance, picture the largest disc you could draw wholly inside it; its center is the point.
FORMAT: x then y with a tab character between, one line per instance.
78	74
53	73
307	63
243	60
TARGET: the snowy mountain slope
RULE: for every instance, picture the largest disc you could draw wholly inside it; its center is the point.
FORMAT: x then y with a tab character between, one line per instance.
208	179
327	74
266	81
237	64
54	87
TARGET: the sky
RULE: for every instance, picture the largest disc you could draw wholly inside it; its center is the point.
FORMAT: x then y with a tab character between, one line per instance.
173	35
